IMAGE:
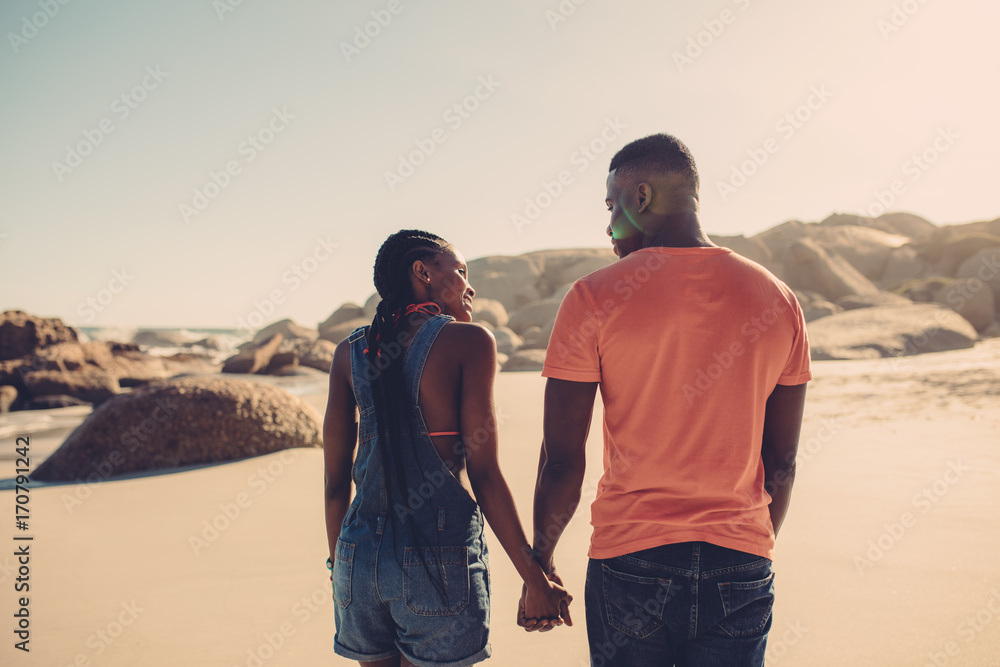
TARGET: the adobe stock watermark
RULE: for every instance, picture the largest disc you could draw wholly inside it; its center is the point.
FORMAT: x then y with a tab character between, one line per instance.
637	619
581	158
562	12
223	7
121	108
294	276
454	116
704	39
923	502
777	646
967	631
31	25
786	126
248	149
230	512
899	16
370	30
97	303
915	167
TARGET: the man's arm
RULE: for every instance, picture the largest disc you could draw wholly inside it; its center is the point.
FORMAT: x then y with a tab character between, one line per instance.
340	436
562	463
782	421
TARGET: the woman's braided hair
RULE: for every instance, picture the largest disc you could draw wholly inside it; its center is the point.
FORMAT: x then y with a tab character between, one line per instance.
384	356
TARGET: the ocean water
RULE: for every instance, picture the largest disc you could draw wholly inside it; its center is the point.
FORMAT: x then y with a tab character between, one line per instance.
218	344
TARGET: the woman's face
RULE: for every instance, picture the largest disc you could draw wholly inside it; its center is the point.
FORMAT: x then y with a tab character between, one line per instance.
447	280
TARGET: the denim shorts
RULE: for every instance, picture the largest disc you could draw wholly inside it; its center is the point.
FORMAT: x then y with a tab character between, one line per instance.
385	608
687	604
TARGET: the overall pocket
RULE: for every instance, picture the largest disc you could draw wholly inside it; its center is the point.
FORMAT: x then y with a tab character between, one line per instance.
438	586
747	605
634	604
343	569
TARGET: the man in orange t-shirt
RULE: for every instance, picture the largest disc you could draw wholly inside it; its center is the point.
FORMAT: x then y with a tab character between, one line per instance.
701	357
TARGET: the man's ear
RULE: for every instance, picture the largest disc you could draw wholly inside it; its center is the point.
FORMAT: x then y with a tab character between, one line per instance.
645	194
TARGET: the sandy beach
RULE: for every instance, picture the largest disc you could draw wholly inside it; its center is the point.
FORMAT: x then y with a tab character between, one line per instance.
887	557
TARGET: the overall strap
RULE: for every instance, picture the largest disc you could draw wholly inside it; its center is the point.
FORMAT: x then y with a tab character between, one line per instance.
359	369
416	353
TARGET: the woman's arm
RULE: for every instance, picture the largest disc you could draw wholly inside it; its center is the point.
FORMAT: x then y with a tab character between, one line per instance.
340	435
477	352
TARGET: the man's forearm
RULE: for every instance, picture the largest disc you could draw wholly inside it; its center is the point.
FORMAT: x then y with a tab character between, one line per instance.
557	495
778	483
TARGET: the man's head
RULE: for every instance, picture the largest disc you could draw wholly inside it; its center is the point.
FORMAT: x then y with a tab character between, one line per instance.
648	180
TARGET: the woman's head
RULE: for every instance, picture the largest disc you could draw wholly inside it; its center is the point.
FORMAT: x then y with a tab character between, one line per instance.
414	266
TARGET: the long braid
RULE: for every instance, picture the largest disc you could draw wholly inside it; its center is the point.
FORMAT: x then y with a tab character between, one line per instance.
384	357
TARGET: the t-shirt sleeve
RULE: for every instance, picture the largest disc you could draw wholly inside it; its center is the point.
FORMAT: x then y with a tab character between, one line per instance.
572	352
798	368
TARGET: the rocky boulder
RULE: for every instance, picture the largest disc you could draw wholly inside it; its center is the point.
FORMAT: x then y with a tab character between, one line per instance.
537	314
903	265
8	396
253	360
513	281
869	333
288	329
181	422
984	266
971	298
864	248
525	360
507	340
811	266
905	224
753	249
855	301
21	334
347	312
489	311
339	332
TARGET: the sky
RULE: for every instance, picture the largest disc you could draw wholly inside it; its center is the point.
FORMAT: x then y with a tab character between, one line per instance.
206	163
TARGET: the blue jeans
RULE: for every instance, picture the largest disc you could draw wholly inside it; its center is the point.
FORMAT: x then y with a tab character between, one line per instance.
691	604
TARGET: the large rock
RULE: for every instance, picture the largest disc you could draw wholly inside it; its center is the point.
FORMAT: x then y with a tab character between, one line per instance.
513	281
253	360
810	266
984	266
346	312
855	301
489	311
8	396
339	332
972	299
948	249
864	248
318	355
507	340
181	422
817	309
559	267
371	306
288	329
893	331
525	360
906	224
903	265
753	249
21	334
92	385
780	238
537	314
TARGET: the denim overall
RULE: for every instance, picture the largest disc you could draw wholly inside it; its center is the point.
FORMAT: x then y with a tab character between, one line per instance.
386	601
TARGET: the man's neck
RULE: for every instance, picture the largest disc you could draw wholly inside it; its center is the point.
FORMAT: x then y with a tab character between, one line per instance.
679	230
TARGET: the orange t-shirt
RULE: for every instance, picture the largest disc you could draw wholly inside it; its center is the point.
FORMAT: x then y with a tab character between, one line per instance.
687	344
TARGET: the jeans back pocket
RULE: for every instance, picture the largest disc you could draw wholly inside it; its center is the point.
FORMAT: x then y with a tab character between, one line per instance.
747	605
436	580
635	604
343	570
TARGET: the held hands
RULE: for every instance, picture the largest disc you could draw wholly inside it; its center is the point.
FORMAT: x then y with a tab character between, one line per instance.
545	607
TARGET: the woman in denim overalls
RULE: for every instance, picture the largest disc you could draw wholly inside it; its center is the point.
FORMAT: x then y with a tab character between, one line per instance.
408	553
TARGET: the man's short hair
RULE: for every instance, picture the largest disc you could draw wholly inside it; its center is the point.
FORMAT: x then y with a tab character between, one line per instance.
656	154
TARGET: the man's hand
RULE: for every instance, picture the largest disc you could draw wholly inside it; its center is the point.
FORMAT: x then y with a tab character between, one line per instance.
557	596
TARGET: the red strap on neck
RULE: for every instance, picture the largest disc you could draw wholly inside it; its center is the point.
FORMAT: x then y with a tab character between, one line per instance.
427	307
